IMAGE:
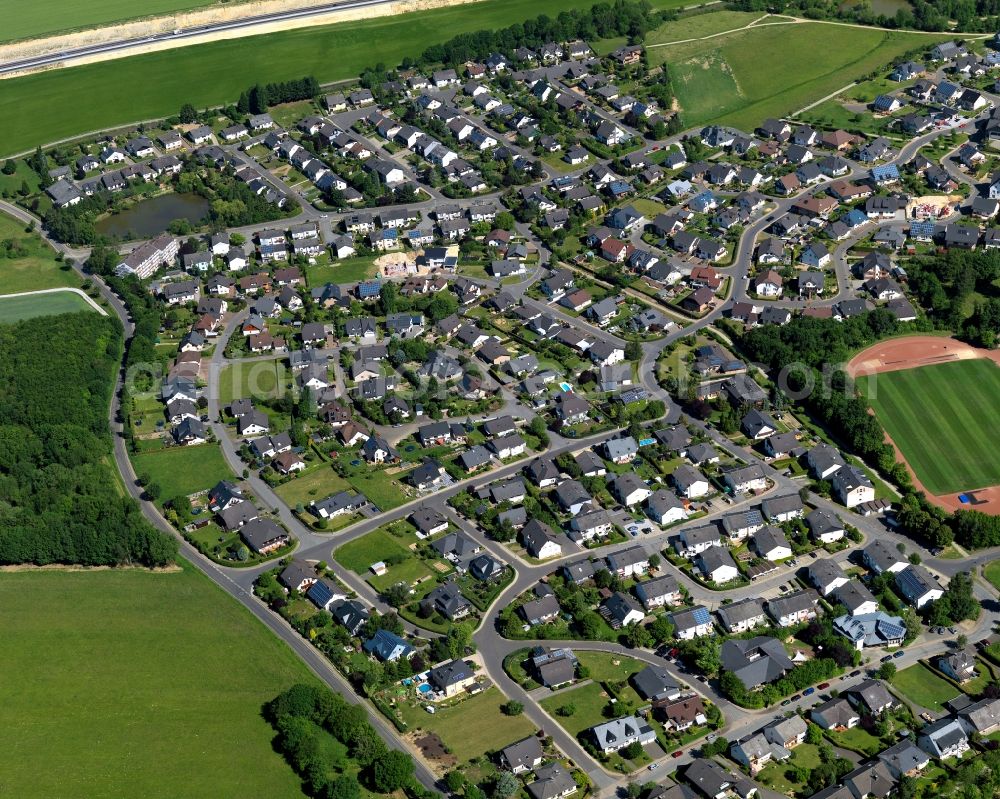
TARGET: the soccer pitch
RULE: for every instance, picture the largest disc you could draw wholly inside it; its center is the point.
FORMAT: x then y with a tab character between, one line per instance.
943	419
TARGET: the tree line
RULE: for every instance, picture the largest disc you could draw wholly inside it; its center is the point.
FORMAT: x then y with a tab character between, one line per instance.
314	723
58	502
601	21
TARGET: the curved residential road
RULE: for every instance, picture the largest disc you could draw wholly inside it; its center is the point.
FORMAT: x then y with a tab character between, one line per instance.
241	590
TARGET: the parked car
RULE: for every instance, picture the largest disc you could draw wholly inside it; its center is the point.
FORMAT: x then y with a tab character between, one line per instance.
678	753
855	673
823	686
899	654
809	691
654	766
886	659
795	698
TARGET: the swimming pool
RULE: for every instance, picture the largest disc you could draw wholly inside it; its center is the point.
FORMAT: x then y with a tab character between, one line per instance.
424	688
565	386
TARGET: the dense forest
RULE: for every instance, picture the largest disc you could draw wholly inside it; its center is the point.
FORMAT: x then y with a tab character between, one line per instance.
58	501
960	291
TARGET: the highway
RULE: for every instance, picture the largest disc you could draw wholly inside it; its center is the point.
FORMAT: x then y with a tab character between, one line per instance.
66	57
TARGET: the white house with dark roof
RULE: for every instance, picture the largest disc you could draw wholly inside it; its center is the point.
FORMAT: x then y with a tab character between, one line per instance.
918	586
630	562
944	739
717	565
614	735
745	614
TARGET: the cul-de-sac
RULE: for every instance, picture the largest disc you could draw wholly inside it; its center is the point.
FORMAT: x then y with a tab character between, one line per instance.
500	400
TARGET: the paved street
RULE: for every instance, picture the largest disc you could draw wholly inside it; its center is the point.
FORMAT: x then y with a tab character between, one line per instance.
315	546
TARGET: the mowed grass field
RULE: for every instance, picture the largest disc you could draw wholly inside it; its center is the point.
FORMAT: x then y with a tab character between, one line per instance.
48	106
943	419
744	77
921	685
14	309
44	17
127	683
254	379
37	268
183	470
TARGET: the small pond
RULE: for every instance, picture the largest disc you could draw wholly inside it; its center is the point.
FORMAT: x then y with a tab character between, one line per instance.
151	217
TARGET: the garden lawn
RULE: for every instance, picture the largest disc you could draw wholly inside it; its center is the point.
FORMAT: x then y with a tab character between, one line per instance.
38	269
13	309
956	401
922	686
992	573
255	379
588	701
129	683
62	103
183	470
349	270
409	571
372	547
857	740
312	486
471	727
726	79
698	25
382	489
604	666
773	774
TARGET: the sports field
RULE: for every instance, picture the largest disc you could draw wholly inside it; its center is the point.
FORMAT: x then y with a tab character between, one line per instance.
27	306
943	420
61	103
128	683
744	77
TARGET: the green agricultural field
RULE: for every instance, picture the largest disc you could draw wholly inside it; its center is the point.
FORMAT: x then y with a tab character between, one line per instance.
68	102
725	79
471	727
922	686
253	379
37	268
698	26
128	683
46	17
947	407
183	470
13	309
